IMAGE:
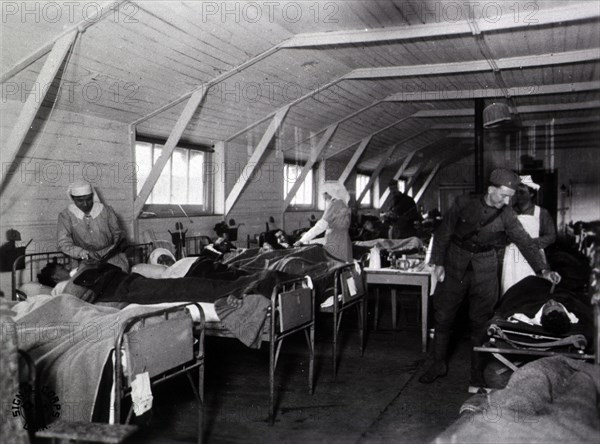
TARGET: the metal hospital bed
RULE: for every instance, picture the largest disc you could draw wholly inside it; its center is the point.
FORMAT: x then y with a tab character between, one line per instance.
291	310
141	340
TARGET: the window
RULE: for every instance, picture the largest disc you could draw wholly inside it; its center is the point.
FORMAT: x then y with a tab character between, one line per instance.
402	185
305	195
361	183
182	181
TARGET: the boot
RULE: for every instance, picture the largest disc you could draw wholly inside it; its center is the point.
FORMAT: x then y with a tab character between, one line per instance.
438	367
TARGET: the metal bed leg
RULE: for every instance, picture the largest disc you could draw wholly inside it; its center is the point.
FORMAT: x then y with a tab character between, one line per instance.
376	320
201	403
310	341
272	382
362	325
394	308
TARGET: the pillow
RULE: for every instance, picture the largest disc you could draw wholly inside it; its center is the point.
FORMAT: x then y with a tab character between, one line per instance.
153	271
35	288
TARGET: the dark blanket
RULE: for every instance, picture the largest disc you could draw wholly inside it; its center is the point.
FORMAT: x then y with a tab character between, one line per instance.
531	293
551	400
311	260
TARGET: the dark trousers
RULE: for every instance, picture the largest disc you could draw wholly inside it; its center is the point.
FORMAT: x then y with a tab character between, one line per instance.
481	289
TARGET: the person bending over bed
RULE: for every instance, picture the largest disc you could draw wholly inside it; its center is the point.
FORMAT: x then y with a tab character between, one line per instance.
89	230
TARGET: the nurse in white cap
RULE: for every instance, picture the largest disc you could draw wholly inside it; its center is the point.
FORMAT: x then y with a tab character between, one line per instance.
335	222
89	230
539	225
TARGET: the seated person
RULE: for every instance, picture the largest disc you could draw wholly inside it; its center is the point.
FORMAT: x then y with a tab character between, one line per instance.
222	243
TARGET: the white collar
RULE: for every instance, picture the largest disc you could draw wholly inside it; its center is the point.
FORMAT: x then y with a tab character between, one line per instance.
96	210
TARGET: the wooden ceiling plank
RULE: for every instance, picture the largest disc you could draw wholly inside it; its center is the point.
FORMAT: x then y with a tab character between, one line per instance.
34	102
255	159
183	121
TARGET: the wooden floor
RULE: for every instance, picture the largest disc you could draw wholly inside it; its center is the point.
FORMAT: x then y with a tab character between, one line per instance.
375	398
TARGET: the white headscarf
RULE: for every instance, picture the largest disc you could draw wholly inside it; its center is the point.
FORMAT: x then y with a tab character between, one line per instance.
336	190
83	188
528	181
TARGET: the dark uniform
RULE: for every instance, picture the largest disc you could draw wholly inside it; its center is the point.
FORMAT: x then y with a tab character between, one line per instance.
465	246
402	216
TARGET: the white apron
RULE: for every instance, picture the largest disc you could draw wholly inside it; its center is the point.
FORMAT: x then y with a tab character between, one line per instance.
515	267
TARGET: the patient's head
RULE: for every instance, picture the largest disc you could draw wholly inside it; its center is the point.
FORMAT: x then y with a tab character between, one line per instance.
275	240
53	273
554	318
161	256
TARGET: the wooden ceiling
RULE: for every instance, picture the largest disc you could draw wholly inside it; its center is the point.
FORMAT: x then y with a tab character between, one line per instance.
401	71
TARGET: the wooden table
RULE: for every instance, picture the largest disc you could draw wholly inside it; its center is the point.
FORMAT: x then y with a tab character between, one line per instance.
393	277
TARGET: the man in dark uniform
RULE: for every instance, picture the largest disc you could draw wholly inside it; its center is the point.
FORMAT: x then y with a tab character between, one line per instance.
402	213
466	263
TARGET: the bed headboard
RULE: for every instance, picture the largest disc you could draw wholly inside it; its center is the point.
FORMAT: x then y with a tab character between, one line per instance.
26	267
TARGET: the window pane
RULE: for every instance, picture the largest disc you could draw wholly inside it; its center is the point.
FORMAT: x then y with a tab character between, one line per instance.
196	196
143	160
361	182
182	180
179	185
304	195
162	189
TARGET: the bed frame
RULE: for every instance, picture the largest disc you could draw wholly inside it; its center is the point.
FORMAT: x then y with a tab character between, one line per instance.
138	338
195	244
352	286
292	310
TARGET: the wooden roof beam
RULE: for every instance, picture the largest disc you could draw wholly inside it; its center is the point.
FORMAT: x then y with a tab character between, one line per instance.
459	27
529	61
98	15
469	94
316	152
383	162
427	182
53	62
355	158
255	160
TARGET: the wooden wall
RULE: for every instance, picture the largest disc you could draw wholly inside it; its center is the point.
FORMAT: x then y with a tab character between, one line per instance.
62	147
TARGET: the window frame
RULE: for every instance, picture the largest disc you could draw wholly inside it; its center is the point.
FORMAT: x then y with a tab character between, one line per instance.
314	170
170	210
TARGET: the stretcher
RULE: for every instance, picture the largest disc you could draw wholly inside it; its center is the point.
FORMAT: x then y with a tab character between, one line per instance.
515	343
